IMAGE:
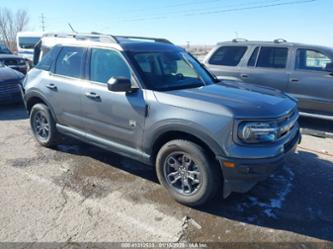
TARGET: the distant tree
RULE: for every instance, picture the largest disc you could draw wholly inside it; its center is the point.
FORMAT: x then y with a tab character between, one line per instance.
10	24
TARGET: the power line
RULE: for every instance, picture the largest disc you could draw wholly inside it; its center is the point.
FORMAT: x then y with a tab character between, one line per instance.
42	20
190	3
273	3
183	12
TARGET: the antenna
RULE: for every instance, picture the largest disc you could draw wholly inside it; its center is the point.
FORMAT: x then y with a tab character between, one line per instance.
70	26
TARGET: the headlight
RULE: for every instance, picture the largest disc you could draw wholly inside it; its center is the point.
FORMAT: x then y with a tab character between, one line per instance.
257	132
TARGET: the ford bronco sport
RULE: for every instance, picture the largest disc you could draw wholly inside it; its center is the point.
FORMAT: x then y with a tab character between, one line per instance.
150	100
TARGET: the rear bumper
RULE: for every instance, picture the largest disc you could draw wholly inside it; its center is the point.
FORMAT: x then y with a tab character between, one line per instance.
248	172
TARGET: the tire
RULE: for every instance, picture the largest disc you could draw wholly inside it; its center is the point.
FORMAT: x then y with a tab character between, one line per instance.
193	158
41	119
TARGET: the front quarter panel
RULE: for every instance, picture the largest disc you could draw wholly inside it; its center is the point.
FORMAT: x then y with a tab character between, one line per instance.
214	130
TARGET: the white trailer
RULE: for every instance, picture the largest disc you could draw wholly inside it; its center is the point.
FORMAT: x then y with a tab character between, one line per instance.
26	42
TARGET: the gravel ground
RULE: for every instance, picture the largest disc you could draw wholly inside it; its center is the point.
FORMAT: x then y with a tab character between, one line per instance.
79	193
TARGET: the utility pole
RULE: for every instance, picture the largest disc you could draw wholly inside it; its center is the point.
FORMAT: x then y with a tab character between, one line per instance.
42	19
188	45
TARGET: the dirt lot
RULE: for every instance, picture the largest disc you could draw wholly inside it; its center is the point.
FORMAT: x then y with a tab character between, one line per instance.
80	193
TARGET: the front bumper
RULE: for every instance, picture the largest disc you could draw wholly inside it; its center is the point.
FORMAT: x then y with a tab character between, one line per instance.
10	93
11	98
248	172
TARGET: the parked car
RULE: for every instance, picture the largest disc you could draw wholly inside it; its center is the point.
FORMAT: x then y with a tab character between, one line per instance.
302	71
9	81
13	61
149	100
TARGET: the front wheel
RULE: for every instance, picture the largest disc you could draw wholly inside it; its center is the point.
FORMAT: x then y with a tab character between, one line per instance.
185	170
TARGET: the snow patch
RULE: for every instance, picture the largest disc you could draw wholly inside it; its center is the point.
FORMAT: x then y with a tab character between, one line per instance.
282	184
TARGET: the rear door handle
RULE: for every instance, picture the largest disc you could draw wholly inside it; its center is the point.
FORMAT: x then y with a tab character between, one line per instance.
245	76
92	95
51	86
294	80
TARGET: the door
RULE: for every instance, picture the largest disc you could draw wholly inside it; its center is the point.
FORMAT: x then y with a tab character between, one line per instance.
64	87
113	117
267	66
225	60
310	83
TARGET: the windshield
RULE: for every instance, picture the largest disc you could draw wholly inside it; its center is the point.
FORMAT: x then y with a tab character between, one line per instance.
165	71
4	50
28	42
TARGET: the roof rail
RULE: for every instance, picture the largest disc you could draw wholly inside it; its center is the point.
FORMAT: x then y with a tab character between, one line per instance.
239	40
85	36
99	37
162	40
280	40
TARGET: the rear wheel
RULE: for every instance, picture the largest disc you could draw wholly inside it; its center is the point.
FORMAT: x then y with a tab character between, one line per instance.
43	126
186	171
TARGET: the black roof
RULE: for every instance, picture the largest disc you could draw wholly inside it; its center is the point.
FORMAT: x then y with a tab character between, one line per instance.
144	46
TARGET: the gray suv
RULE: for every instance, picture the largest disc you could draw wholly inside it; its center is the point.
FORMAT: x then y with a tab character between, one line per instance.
149	100
302	71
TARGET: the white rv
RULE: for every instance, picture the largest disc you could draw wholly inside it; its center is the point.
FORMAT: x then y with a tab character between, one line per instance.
26	42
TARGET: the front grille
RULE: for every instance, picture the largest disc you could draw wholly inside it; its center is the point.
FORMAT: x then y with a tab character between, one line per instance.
7	88
287	123
10	62
13	62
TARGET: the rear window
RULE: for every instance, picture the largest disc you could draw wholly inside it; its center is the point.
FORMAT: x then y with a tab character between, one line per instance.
228	56
69	62
47	61
272	57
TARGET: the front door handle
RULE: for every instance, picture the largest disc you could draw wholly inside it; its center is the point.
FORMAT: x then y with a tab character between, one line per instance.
51	86
294	80
92	95
245	76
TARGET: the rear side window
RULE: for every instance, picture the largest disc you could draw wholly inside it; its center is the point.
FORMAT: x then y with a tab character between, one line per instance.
48	59
69	62
106	64
307	59
272	57
228	56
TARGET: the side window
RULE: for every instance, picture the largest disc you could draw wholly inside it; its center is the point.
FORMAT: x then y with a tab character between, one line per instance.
273	57
48	59
253	59
105	64
228	56
69	62
307	59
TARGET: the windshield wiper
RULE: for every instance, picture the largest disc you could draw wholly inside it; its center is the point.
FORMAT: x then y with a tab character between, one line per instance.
180	87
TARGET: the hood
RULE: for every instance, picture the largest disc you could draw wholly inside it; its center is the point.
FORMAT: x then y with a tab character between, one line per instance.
9	56
8	74
237	100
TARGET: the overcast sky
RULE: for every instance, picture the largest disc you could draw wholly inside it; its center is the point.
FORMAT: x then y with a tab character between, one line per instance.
197	21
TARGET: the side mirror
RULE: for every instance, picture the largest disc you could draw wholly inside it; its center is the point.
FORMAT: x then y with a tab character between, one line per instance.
329	67
119	84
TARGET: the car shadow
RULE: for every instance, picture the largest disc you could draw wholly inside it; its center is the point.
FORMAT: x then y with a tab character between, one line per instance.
13	112
298	198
